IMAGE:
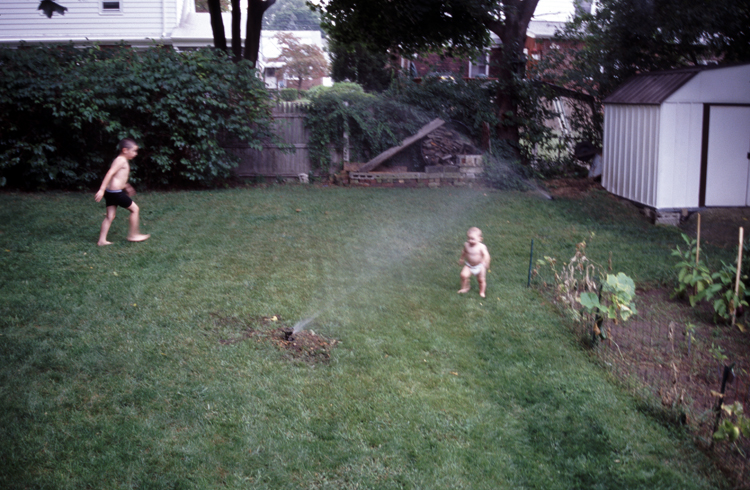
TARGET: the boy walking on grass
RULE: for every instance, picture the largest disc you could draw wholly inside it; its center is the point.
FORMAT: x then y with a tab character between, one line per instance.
476	261
117	192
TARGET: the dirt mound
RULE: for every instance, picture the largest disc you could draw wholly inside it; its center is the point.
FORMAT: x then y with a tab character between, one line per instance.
304	345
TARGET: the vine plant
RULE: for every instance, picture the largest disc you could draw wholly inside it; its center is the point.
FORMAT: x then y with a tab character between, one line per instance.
579	289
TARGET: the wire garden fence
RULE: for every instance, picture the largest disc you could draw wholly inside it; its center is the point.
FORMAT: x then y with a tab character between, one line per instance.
673	356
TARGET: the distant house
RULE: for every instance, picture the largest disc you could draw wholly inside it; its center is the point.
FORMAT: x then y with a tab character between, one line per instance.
549	18
195	31
680	139
136	23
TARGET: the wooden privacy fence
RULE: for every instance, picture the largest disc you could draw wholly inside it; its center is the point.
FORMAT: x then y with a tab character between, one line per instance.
272	160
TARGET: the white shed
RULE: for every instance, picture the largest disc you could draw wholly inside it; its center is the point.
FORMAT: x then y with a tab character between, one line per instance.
680	139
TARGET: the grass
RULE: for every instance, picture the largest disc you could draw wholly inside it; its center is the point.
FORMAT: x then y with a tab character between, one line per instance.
112	374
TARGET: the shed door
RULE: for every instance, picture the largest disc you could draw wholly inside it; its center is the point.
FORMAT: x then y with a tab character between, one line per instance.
727	166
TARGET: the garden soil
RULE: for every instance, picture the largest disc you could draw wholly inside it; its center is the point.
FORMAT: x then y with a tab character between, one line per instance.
654	355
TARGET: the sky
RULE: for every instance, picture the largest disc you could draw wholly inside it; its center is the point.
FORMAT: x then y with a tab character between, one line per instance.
554	10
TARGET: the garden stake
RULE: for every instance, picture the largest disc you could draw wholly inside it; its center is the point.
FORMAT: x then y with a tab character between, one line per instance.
727	376
697	248
737	279
698	241
531	261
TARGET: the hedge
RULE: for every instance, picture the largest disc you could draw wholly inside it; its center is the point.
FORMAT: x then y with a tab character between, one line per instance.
63	110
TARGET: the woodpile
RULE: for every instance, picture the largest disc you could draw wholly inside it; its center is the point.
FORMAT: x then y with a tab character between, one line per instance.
443	145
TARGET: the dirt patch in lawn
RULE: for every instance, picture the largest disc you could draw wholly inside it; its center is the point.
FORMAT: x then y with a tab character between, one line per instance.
304	345
571	188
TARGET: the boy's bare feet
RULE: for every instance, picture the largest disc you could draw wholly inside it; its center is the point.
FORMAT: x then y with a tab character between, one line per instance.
101	244
482	295
465	290
138	238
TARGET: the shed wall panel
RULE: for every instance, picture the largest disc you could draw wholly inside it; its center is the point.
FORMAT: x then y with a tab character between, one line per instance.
630	151
679	157
728	85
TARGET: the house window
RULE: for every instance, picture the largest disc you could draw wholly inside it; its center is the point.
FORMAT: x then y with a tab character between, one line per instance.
480	66
111	7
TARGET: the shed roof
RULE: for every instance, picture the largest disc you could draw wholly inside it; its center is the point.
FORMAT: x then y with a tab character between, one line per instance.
652	88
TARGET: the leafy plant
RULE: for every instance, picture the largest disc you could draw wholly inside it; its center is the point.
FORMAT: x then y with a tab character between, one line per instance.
572	279
721	293
64	109
288	94
717	353
732	428
373	124
618	292
692	278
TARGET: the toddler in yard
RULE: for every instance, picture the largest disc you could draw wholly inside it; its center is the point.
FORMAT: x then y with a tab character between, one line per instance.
117	192
476	261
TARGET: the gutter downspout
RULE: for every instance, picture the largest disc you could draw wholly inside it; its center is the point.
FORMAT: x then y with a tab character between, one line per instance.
163	19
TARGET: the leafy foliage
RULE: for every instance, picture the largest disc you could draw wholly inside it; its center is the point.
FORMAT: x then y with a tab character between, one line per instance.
721	293
64	109
373	124
355	62
448	27
736	425
301	61
577	282
469	103
291	15
406	106
698	283
288	94
619	291
625	37
465	102
692	278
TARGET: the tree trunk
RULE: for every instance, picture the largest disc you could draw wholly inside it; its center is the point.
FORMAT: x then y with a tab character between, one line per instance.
512	34
236	32
217	25
255	11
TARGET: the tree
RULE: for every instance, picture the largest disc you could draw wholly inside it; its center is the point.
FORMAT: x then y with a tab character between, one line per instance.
255	11
356	63
625	37
301	61
451	27
291	15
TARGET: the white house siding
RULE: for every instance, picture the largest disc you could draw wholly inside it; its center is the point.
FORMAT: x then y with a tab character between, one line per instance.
679	167
138	22
630	152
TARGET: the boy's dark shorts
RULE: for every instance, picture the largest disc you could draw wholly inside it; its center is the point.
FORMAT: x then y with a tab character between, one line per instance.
117	198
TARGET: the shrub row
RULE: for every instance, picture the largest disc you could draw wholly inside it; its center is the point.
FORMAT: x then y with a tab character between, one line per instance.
63	110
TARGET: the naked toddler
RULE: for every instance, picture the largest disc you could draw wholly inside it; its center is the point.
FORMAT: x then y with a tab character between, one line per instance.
476	261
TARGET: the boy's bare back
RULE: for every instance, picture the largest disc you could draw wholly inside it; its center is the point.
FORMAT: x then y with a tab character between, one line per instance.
116	191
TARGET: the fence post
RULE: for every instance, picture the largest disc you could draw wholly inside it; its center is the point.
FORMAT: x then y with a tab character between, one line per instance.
531	261
345	150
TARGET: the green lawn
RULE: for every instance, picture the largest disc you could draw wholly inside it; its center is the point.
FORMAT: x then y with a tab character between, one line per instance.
112	373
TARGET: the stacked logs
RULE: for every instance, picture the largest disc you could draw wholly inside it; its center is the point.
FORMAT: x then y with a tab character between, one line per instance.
442	146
